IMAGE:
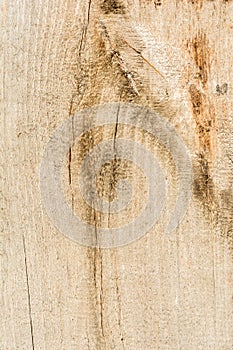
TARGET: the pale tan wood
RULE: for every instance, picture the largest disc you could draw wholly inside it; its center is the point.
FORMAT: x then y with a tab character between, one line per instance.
158	292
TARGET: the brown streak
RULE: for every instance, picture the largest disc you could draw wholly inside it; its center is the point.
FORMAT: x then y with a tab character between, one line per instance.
151	65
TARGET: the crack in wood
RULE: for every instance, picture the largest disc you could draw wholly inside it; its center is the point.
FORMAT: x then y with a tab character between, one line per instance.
28	294
84	32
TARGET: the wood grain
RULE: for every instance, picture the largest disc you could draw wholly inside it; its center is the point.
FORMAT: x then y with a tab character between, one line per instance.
159	292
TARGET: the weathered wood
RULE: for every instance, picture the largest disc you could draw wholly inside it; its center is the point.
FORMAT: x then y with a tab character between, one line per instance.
160	291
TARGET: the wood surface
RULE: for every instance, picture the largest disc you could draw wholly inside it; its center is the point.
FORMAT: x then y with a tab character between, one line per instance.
160	291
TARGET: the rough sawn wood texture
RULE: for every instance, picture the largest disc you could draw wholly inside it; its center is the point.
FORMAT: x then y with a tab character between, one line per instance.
159	292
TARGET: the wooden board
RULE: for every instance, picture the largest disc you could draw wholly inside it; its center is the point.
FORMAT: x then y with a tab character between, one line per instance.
159	291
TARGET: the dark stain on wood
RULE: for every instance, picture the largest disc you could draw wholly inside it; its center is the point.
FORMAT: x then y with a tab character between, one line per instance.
218	209
198	3
109	175
203	186
222	90
196	99
204	116
203	111
199	50
157	3
112	7
226	215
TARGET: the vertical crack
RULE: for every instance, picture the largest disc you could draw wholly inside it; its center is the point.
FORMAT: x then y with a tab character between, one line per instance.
70	155
88	12
99	287
88	342
114	163
69	165
115	132
96	228
84	33
114	177
101	296
118	297
28	293
120	313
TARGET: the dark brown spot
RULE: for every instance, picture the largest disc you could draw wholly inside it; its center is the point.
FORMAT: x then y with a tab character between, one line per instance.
222	90
157	3
196	99
197	3
112	6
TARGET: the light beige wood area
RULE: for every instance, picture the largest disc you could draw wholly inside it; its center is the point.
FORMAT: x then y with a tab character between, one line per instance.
160	292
